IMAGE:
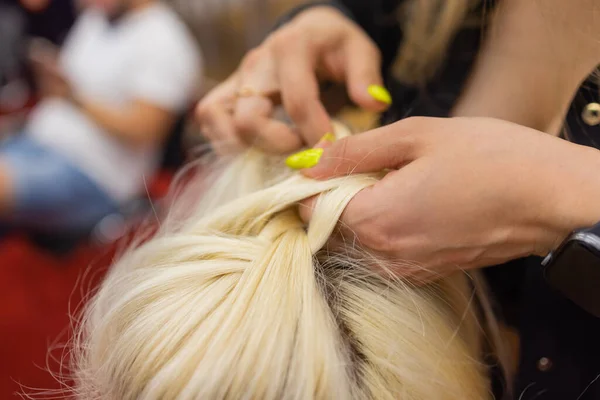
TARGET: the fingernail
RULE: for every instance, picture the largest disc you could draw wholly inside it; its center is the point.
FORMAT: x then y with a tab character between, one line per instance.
328	137
304	159
380	93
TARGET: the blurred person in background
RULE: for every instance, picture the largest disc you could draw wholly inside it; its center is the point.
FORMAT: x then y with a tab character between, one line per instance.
128	69
48	19
13	86
21	20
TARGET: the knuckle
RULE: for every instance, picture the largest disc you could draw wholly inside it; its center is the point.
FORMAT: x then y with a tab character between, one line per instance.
204	110
201	108
374	237
412	124
252	57
398	152
407	135
281	40
244	123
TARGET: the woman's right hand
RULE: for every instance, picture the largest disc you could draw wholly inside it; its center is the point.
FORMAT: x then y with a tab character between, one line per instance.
319	44
461	192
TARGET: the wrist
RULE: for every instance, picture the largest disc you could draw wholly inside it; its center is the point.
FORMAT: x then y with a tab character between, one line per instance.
575	203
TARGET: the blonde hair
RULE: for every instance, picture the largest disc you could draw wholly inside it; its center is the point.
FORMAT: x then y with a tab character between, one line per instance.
428	26
234	298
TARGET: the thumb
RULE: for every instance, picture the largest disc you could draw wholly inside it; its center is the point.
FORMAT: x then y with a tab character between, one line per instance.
389	147
363	76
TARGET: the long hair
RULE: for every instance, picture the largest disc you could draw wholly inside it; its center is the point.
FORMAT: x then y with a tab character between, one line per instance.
235	298
429	26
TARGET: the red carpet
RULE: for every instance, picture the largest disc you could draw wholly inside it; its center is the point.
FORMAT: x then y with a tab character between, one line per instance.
36	291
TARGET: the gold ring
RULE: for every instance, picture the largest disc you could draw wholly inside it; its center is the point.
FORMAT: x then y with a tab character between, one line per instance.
247	91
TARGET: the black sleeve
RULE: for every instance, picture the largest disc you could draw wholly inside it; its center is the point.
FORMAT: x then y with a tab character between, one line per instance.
376	17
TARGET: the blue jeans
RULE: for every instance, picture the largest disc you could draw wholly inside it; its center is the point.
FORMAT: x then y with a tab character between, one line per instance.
50	193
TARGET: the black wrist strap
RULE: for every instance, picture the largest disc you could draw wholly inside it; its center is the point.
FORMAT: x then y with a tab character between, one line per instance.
573	269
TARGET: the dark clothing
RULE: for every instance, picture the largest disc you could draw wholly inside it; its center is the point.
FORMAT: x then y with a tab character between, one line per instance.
12	43
18	25
51	23
560	343
54	22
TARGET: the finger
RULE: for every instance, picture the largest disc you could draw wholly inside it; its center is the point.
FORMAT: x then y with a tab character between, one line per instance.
306	208
214	116
274	136
253	114
408	269
358	226
388	147
300	91
364	216
219	128
365	205
363	75
224	93
257	127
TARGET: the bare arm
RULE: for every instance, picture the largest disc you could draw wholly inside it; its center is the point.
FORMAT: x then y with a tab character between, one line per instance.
137	124
536	55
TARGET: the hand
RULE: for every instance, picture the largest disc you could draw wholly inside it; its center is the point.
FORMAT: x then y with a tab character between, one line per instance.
50	78
319	44
54	84
463	192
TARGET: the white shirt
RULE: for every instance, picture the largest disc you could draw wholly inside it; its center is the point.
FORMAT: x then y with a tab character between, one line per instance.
147	55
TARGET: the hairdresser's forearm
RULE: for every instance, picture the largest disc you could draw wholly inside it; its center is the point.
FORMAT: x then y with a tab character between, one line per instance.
535	57
135	125
576	204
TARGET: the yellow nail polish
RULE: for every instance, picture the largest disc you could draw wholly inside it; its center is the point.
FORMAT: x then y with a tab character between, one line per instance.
380	93
304	159
328	137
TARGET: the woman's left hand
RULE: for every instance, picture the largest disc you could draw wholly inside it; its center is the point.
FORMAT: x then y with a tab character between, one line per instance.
464	192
